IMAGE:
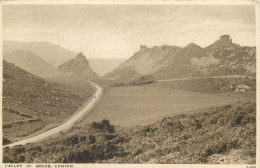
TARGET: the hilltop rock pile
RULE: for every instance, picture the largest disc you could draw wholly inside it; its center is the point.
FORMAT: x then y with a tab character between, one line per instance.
78	67
223	57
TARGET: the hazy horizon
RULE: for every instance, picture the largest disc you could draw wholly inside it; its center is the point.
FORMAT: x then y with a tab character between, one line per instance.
117	31
103	66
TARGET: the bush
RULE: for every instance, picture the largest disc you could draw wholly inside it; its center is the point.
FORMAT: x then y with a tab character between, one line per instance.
6	141
146	79
92	139
103	125
184	138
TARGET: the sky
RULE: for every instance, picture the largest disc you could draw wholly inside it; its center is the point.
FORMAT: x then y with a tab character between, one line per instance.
117	31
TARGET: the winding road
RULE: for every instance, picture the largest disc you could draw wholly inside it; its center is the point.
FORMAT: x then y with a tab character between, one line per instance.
68	124
95	98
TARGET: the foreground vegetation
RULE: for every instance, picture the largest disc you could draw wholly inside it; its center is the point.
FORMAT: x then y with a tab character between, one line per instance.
225	134
196	138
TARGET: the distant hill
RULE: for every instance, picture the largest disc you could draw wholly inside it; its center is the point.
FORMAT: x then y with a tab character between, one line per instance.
55	55
26	93
51	53
220	58
78	67
31	63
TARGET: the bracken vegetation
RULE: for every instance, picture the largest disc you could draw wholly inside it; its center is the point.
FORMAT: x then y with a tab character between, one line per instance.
225	134
92	143
196	138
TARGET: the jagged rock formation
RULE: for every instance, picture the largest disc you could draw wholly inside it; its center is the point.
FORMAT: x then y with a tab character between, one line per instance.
78	67
56	55
223	57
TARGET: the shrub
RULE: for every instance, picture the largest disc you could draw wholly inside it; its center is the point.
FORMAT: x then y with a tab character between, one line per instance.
146	79
6	141
103	125
92	138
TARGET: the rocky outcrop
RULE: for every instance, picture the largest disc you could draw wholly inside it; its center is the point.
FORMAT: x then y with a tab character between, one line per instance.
226	37
223	57
78	67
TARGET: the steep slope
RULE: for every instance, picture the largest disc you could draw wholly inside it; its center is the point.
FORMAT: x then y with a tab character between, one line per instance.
221	58
26	96
233	59
51	53
30	62
145	61
78	67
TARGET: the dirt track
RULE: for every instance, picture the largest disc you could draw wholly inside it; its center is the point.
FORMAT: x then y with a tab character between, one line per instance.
210	77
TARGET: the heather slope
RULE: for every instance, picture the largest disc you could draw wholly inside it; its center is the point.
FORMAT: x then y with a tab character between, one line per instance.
210	136
225	134
26	96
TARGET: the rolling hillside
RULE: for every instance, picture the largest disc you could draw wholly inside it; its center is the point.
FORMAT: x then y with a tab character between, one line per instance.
31	63
26	96
51	53
221	58
56	55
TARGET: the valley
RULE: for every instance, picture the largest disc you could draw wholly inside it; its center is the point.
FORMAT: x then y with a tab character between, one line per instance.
164	104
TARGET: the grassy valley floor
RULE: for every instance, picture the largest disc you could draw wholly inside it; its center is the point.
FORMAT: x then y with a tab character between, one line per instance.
134	105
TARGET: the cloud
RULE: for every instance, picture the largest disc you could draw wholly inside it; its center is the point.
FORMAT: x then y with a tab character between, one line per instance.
118	30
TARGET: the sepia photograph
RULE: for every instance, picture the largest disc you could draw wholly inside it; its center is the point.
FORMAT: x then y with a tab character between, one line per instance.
129	83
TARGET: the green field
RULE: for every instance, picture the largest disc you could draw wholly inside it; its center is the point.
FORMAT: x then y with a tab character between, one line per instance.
134	105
